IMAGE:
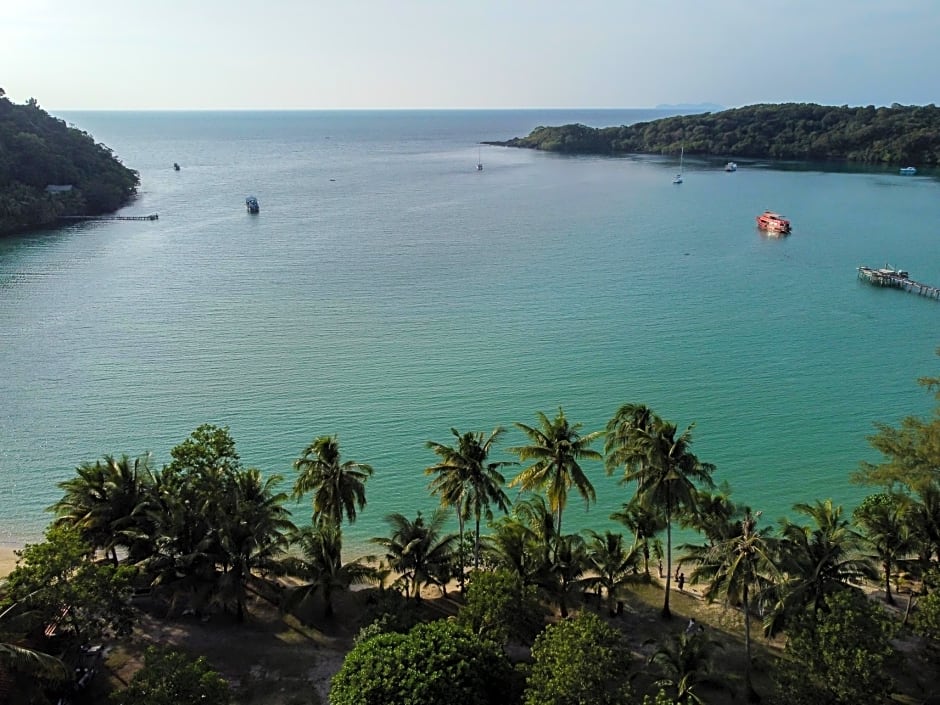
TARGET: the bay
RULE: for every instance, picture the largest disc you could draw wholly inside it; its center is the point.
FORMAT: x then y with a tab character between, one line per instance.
388	291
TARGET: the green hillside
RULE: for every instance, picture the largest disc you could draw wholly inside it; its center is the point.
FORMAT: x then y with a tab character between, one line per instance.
37	151
903	135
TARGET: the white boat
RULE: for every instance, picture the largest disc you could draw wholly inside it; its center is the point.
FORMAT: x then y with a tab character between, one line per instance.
678	178
731	166
908	170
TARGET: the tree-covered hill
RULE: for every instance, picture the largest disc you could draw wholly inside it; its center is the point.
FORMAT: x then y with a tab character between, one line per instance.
908	135
38	150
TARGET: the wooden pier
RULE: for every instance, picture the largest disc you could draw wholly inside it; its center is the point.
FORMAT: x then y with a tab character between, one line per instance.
152	216
897	279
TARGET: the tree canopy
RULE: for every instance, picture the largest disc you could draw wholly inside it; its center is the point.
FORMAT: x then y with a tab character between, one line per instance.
900	134
38	150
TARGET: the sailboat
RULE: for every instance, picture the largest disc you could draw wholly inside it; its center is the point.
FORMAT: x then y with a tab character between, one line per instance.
678	179
479	161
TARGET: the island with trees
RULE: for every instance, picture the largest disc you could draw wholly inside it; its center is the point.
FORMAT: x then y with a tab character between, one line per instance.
899	134
49	170
192	582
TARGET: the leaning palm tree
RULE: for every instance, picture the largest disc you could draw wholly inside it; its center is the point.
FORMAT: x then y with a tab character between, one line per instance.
338	487
418	551
735	570
662	465
466	481
611	564
556	447
320	567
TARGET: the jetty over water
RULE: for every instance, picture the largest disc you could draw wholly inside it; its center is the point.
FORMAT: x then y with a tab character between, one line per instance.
152	216
897	279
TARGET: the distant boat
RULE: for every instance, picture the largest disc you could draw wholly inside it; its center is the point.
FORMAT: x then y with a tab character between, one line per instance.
773	223
479	161
678	179
731	166
176	166
908	171
251	203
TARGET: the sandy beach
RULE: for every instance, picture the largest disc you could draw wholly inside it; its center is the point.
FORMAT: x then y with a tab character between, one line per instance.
7	560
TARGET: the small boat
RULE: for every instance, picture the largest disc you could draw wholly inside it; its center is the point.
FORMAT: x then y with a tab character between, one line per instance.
251	203
731	166
908	170
678	177
773	223
176	167
479	161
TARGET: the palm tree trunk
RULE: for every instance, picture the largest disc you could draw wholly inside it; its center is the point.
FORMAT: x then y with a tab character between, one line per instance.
476	544
460	524
752	695
889	598
666	613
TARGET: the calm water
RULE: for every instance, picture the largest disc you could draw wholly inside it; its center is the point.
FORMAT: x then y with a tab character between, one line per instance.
389	291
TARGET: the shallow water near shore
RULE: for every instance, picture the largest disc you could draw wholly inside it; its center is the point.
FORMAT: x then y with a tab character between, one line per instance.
388	291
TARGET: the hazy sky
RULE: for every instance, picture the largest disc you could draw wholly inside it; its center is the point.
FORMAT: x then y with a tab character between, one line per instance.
214	54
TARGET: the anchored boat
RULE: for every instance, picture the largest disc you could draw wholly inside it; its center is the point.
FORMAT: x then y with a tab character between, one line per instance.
251	203
773	223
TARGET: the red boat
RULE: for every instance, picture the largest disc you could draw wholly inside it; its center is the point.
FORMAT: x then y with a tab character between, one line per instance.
773	222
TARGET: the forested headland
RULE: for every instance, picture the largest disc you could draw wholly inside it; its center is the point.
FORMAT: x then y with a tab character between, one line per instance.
38	151
900	134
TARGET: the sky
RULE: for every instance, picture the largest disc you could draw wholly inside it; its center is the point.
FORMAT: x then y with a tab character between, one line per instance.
374	54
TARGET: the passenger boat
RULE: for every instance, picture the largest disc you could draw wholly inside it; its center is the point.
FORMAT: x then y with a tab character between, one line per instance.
773	222
908	170
251	203
731	166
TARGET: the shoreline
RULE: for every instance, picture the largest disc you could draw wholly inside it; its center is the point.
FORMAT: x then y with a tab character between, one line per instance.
7	559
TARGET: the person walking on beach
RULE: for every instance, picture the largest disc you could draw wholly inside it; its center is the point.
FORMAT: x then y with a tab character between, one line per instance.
680	581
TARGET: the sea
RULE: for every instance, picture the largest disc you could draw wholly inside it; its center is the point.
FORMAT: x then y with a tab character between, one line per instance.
388	291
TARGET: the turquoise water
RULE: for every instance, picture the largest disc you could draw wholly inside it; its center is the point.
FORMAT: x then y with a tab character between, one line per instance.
388	291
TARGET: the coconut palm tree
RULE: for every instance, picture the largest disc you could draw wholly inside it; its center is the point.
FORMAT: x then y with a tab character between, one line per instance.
515	547
660	461
735	570
685	664
466	481
338	487
418	551
565	571
612	565
646	524
883	518
320	567
556	447
816	560
107	501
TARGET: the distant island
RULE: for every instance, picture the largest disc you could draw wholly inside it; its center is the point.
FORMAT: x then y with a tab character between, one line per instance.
908	135
690	107
49	170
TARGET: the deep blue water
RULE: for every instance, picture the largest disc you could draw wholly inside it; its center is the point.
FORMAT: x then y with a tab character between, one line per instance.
388	291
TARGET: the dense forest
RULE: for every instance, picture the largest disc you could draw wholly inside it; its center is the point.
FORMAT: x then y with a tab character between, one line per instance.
38	150
908	135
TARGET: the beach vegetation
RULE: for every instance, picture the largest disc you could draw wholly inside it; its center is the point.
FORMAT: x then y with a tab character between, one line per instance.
172	677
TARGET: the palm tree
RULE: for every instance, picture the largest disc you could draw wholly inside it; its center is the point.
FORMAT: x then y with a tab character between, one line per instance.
107	502
661	463
564	575
645	523
418	552
253	533
612	564
470	484
321	568
733	569
556	447
816	560
515	547
338	488
884	520
684	664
